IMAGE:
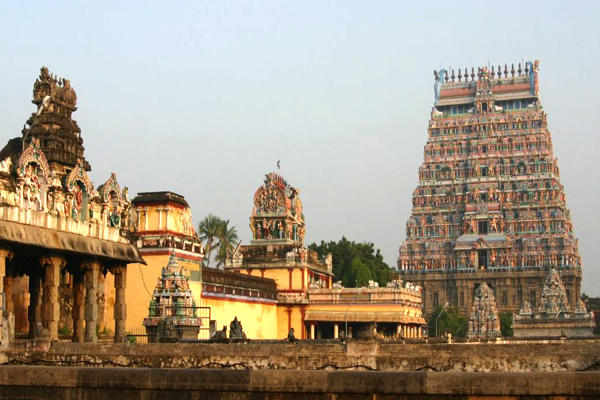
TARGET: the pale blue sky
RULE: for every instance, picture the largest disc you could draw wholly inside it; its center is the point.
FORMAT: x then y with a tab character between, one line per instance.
202	98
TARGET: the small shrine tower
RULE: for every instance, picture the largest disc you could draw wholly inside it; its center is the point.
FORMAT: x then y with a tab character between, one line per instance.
172	304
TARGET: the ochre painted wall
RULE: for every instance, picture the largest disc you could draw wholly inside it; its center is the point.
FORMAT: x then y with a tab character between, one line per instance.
282	277
177	219
282	319
258	320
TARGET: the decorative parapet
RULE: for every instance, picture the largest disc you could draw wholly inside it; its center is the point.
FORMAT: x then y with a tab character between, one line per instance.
219	283
405	296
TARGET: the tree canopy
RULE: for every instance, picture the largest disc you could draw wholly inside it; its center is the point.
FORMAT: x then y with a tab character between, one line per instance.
450	320
506	321
356	263
216	234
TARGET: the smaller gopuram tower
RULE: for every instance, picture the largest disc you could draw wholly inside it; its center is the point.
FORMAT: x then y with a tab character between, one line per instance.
489	205
277	251
172	305
484	320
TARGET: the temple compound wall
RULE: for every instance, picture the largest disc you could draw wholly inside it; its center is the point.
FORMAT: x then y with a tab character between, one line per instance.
60	236
378	355
489	206
108	383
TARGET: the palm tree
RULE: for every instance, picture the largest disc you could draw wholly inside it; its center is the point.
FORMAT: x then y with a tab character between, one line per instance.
209	229
228	239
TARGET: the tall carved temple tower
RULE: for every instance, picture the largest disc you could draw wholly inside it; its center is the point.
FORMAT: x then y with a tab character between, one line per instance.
489	205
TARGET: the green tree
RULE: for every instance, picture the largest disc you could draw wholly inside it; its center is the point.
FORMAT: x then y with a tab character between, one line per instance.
344	252
209	229
506	321
228	240
360	275
450	320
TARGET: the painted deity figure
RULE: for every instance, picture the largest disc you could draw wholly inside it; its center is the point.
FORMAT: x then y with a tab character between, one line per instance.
473	226
258	230
494	224
493	258
77	203
32	186
266	225
472	259
115	218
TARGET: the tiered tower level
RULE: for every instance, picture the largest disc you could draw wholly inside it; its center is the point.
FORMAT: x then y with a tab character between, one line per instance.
489	205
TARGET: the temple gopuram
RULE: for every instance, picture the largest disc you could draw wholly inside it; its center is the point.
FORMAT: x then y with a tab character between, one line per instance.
307	300
60	237
489	205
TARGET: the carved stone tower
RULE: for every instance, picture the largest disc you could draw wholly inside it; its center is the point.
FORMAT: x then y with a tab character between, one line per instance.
52	124
489	205
277	214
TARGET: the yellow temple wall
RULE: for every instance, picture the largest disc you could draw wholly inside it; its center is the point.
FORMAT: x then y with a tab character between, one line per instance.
282	319
163	220
259	320
282	277
107	323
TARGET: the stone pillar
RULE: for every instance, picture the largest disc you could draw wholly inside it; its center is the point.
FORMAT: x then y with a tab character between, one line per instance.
101	296
33	313
3	255
312	331
336	331
92	271
399	330
50	302
120	303
8	292
78	307
146	218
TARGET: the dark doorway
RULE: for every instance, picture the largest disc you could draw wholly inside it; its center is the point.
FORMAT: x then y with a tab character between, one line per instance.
482	259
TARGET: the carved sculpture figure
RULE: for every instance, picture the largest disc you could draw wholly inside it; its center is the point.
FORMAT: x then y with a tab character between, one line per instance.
291	337
5	165
32	186
236	332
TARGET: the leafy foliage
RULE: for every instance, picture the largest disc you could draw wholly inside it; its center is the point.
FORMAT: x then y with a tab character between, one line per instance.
228	239
506	321
356	263
450	320
216	234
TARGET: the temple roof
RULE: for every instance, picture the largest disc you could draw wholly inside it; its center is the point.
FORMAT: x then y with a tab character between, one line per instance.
159	197
69	242
499	85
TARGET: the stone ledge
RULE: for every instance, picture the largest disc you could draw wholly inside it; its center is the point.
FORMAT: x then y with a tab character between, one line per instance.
116	380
